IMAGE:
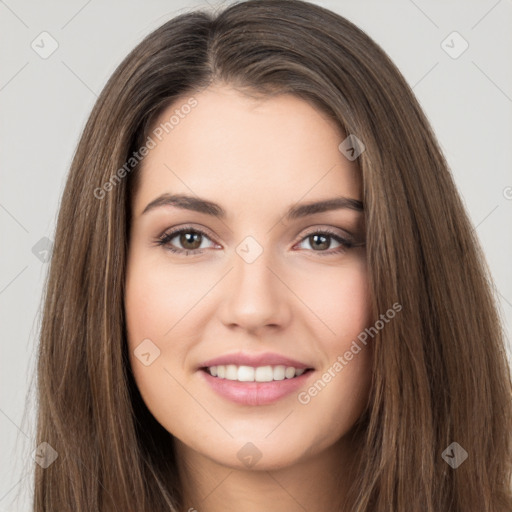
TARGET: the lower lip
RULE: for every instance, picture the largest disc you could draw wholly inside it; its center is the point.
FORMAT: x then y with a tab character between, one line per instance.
255	393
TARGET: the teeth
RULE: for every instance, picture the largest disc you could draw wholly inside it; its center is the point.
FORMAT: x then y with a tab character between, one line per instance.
289	372
231	372
245	373
279	372
251	374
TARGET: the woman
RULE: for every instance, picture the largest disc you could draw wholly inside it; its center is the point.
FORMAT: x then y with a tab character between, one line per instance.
265	293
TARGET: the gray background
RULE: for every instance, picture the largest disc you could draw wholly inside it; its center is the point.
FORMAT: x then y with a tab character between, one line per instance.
45	103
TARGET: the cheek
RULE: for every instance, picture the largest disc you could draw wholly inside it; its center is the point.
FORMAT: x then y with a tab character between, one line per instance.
156	298
340	299
146	304
150	308
153	309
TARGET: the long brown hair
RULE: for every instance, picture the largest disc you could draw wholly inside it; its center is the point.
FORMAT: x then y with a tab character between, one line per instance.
440	369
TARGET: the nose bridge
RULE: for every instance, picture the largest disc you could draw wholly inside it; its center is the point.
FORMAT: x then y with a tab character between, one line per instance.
255	295
251	268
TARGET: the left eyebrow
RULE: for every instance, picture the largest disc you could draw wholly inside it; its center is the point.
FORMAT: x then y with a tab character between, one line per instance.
337	203
210	208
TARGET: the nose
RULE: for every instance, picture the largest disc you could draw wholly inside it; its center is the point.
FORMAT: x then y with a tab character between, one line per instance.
256	298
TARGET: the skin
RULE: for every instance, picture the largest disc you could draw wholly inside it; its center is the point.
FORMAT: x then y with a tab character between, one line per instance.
256	158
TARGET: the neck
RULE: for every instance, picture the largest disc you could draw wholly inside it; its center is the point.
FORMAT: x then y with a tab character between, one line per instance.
316	483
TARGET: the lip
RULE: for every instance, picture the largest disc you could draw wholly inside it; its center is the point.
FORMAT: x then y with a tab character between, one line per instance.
263	359
254	393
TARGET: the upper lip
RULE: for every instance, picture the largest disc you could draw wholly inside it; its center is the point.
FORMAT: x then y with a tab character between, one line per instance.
262	359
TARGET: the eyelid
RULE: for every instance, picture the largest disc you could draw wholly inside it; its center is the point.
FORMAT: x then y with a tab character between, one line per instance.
342	233
346	242
171	233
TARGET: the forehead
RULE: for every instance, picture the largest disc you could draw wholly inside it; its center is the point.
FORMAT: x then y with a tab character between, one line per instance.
231	147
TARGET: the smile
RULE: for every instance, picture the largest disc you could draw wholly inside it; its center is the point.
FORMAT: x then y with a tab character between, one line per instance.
254	378
254	374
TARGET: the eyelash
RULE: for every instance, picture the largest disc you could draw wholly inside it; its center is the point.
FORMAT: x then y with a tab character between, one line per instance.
164	240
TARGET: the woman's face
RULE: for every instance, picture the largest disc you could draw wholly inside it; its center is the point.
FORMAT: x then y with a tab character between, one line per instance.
253	289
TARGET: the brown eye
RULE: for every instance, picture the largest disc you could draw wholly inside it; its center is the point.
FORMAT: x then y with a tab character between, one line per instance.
319	241
185	241
190	240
